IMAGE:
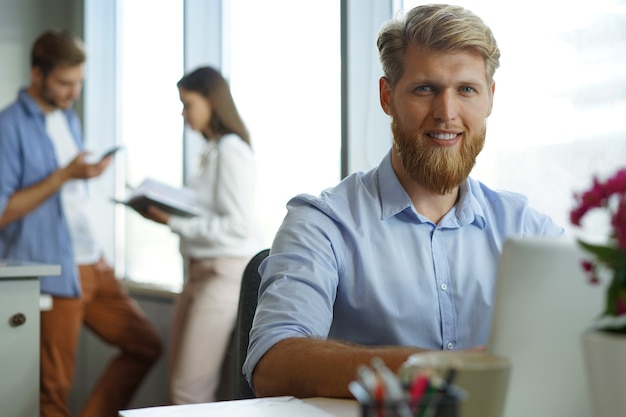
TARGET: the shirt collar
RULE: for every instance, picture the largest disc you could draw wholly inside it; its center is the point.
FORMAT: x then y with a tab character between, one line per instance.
394	199
467	209
30	106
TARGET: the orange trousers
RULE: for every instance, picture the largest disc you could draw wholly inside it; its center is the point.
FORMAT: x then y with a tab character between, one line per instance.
107	310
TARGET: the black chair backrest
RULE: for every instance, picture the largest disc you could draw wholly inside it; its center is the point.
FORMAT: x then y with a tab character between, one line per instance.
248	297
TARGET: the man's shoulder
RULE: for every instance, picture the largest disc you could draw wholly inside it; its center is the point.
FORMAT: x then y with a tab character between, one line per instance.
348	189
9	111
483	192
513	209
19	110
343	202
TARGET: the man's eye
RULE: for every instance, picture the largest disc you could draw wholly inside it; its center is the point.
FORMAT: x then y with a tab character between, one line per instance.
467	90
423	89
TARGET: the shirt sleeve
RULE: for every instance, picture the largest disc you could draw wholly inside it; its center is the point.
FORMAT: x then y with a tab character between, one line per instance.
10	165
299	282
540	224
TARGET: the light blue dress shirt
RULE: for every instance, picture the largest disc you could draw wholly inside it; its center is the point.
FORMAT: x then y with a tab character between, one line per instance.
359	264
27	157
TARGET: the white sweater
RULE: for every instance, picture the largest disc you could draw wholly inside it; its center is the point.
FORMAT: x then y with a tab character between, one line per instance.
226	186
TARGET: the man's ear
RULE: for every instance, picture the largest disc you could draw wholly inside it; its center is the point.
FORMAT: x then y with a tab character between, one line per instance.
36	76
384	91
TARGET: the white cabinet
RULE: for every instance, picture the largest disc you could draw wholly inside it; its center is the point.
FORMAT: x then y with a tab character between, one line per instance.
19	336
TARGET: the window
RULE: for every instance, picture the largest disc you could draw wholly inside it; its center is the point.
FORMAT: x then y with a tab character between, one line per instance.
150	59
285	78
560	98
287	89
560	94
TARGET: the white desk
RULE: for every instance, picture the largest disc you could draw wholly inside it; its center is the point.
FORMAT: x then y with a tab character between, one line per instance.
258	407
19	335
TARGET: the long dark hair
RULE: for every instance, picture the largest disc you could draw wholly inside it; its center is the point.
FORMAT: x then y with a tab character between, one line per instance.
211	84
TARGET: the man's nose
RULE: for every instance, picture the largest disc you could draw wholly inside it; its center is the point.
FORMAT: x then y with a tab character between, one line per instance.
445	106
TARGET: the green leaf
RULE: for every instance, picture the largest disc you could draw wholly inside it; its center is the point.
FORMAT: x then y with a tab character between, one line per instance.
605	254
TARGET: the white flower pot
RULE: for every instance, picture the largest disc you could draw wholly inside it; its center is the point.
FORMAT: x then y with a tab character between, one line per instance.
605	361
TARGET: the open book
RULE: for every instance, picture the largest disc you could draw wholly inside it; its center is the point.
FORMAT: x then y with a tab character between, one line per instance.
178	201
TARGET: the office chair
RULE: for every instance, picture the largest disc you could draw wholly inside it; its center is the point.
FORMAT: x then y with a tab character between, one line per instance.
245	314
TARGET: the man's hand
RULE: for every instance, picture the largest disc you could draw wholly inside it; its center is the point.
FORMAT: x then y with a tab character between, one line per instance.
78	168
27	199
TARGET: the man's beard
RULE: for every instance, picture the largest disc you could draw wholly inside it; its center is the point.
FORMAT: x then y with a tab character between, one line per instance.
49	98
438	169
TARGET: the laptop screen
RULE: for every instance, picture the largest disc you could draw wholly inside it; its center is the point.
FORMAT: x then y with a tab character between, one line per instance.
543	302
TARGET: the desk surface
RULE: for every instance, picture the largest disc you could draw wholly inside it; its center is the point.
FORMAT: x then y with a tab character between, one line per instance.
11	269
257	407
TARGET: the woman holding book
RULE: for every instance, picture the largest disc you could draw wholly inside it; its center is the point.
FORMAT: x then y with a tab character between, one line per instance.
217	244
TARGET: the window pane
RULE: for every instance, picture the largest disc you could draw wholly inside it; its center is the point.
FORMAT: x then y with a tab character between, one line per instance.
288	94
285	76
560	98
151	62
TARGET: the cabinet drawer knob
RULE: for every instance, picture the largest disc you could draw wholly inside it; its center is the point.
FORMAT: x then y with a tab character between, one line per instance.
18	319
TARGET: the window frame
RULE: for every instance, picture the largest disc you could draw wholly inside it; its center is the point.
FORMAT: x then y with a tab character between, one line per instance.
205	43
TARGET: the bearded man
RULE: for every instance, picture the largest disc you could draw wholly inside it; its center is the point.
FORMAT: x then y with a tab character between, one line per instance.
402	258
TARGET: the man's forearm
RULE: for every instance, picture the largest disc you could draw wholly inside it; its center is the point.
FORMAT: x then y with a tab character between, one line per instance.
26	200
305	367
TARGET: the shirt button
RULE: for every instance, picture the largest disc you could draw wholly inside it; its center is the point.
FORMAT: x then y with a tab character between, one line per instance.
444	287
450	346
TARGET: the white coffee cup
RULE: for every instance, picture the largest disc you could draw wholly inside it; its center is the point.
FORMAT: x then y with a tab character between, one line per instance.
484	376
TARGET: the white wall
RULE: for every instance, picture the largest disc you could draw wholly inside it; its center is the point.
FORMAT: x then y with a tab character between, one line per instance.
20	23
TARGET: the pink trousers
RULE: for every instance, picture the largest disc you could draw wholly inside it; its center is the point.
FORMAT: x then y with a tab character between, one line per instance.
204	318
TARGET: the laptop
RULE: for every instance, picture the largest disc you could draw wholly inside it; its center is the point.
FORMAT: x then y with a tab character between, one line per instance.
543	302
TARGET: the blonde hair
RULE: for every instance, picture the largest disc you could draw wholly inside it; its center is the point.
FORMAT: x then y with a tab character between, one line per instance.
440	27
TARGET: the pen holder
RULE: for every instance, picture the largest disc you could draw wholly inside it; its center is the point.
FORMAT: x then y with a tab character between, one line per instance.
431	405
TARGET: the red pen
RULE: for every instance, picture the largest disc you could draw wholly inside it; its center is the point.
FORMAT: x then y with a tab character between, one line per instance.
418	388
379	397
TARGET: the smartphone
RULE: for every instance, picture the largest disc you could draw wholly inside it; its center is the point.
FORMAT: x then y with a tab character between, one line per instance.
111	152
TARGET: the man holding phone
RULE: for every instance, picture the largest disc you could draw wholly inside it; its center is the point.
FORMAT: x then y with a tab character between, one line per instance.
44	218
110	152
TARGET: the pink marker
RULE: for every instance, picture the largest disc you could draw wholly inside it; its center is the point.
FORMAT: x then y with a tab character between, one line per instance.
418	388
